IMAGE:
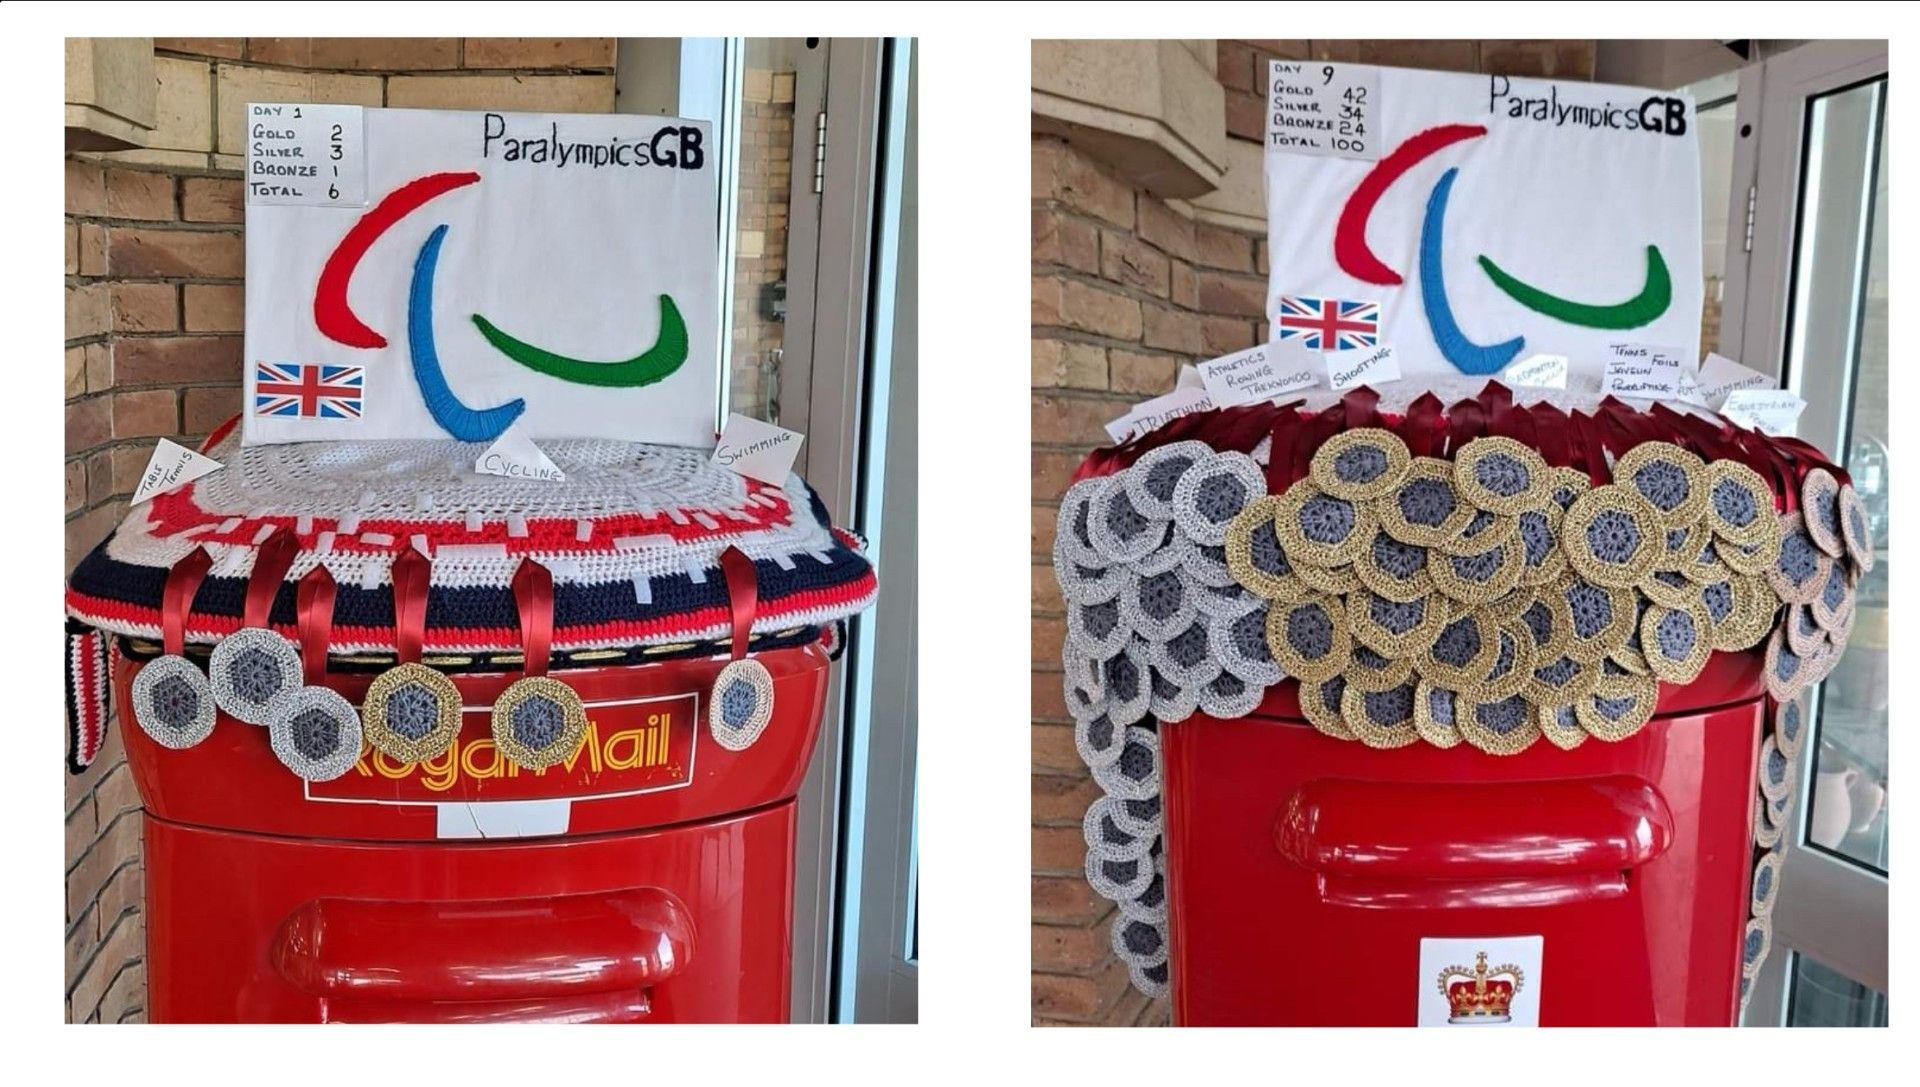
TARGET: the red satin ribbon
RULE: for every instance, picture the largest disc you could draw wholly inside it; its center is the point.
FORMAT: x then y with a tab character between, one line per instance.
1466	421
176	599
313	608
533	597
1500	410
1551	433
1362	408
1425	423
410	576
743	595
270	566
1286	424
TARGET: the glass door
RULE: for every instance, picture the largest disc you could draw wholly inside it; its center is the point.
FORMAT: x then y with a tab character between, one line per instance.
816	332
1810	271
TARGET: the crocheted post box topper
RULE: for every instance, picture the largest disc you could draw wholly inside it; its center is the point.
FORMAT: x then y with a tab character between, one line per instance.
424	552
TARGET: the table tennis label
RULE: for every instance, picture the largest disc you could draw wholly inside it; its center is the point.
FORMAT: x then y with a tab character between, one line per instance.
171	467
1485	981
632	745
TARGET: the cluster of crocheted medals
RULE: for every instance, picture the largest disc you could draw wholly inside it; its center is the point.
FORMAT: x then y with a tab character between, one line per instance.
1157	628
1496	600
411	712
1779	753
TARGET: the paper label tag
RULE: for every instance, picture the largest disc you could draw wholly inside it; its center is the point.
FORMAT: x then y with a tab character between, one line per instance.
1189	377
1261	372
299	153
1643	371
1362	366
172	465
1690	391
1770	411
1319	108
515	456
1152	414
1484	981
1537	372
1720	375
757	450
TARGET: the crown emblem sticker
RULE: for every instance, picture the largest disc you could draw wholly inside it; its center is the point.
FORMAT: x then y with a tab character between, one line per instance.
1490	981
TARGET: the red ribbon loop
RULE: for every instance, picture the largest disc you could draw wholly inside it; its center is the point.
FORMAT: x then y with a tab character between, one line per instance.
270	565
743	595
176	599
1425	423
1550	431
1280	449
313	616
1362	407
533	596
411	572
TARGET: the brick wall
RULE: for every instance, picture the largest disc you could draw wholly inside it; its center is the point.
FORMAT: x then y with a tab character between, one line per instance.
154	271
1125	289
766	176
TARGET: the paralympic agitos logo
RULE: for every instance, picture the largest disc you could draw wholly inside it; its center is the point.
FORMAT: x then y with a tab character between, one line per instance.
677	147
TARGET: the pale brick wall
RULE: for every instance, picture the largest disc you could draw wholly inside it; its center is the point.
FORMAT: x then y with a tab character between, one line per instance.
154	273
1125	288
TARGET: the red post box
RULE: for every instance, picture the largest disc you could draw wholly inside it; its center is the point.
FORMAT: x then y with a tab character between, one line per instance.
648	879
1294	856
484	750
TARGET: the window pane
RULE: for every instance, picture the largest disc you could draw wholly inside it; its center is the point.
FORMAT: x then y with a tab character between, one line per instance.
760	257
1826	998
1715	115
1841	319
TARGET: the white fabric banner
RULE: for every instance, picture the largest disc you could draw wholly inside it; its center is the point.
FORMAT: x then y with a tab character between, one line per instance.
1489	218
562	231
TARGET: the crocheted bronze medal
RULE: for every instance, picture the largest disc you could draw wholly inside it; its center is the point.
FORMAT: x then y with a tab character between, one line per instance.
537	720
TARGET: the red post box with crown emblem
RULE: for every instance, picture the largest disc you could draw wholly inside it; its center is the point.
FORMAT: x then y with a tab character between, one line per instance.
1448	714
623	851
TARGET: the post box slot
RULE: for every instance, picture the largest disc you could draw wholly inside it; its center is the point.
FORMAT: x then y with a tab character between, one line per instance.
614	946
1424	845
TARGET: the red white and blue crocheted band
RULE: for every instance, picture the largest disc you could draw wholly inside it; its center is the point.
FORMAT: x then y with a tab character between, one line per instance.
635	573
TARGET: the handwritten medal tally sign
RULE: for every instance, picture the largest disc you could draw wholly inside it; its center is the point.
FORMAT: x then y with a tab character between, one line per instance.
1489	219
436	274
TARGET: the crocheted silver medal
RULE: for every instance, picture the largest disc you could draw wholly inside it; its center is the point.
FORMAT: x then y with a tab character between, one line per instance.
172	701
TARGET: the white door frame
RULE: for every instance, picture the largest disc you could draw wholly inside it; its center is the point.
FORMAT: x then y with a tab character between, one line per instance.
1828	908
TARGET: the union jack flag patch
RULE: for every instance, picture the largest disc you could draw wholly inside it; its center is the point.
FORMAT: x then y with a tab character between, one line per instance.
308	390
1328	324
